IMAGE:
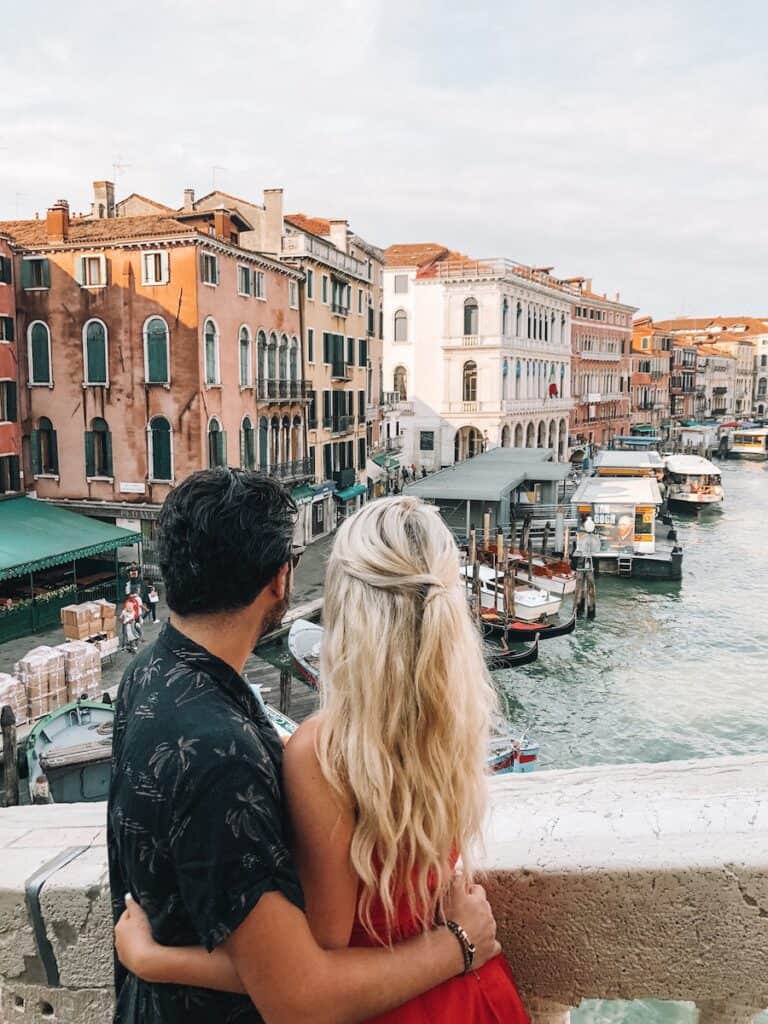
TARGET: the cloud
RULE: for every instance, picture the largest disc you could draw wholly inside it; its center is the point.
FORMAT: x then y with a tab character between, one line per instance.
625	142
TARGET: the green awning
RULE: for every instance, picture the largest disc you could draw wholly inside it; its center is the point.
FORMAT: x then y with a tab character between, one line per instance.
350	492
386	461
302	495
35	535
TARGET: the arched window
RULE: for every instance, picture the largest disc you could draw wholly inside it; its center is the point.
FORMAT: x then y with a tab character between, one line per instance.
401	325
469	382
471	316
296	439
293	367
217	444
505	319
247	444
762	387
45	455
274	443
261	362
98	449
95	353
160	449
211	340
244	342
263	444
272	367
39	347
401	382
518	318
156	362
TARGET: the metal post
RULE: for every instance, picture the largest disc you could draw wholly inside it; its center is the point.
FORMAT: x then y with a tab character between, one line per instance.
10	756
117	579
285	691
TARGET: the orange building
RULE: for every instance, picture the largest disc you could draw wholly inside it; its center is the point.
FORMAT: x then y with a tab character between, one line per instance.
651	365
10	434
151	346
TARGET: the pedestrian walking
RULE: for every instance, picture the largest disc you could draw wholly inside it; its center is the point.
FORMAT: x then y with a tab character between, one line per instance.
138	611
153	597
423	472
127	626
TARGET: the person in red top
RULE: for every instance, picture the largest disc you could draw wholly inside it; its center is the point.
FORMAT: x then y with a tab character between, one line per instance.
386	785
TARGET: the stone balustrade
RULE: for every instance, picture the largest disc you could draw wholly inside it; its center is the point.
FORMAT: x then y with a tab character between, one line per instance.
629	882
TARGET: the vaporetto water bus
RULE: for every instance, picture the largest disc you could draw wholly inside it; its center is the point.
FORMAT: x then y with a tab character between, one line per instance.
749	443
693	483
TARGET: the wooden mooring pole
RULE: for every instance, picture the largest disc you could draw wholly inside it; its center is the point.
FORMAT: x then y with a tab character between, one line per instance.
10	756
285	691
585	596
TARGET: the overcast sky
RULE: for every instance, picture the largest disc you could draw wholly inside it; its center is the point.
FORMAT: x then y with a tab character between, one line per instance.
625	141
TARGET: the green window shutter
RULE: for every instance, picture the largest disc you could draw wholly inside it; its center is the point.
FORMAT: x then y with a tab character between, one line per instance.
326	348
310	345
326	404
41	369
26	274
11	400
108	450
221	448
157	353
361	453
215	269
243	464
96	352
161	451
90	455
13	472
34	448
54	451
8	331
361	405
46	273
328	461
202	266
79	269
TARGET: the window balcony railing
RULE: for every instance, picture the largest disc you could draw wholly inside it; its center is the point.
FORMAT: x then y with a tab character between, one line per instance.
303	245
339	424
294	470
339	309
272	390
340	370
678	880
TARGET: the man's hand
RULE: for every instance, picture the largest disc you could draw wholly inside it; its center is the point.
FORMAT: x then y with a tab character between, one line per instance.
468	906
136	948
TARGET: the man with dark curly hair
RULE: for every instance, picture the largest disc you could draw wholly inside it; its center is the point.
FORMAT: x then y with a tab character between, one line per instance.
196	826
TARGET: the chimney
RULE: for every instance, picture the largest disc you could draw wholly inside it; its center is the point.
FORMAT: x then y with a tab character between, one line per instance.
57	221
588	284
339	234
272	235
189	200
221	224
103	199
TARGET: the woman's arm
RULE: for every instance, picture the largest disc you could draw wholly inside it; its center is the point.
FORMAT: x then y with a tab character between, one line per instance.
322	834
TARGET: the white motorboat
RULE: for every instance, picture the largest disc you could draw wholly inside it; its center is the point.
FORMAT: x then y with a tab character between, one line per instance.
692	482
554	576
531	602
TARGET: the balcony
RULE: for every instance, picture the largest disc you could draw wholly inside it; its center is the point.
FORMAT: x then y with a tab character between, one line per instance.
339	310
298	469
623	882
302	245
511	344
272	390
391	402
339	424
600	357
341	370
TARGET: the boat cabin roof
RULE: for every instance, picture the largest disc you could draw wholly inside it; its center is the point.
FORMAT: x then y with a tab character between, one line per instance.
490	476
750	432
692	465
619	490
639	461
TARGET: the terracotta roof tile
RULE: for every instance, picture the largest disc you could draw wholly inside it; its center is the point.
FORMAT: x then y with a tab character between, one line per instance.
315	225
146	199
416	254
34	234
705	325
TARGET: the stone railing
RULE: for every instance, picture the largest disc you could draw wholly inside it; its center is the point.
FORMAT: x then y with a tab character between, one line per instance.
629	882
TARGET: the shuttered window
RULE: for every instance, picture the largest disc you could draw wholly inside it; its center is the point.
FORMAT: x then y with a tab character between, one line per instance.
244	280
5	270
217	445
362	351
156	351
263	443
8	411
211	353
161	463
361	406
247	445
98	450
91	271
209	268
35	273
44	449
361	458
310	345
95	346
245	357
155	268
39	353
6	328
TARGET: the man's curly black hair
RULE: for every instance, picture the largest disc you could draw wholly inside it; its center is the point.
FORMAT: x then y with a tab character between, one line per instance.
224	534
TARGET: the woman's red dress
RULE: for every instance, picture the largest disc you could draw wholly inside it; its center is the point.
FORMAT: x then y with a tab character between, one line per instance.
485	996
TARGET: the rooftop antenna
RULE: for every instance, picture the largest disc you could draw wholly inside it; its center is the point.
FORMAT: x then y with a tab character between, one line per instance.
118	167
214	169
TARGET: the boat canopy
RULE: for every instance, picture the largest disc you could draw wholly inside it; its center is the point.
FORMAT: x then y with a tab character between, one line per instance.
620	490
636	461
35	535
490	476
691	465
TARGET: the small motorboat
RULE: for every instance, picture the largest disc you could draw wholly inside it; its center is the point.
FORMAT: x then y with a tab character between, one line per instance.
693	483
508	755
66	755
519	632
304	639
553	575
531	602
496	658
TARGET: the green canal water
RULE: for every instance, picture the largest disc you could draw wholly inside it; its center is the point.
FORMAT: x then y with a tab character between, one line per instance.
665	671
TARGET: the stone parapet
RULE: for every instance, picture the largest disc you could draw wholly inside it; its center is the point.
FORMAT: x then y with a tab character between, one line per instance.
627	882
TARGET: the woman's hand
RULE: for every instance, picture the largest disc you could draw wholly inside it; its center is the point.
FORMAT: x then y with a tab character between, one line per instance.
136	948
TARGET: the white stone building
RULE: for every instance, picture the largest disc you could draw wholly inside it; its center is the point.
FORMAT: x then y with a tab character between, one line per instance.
476	354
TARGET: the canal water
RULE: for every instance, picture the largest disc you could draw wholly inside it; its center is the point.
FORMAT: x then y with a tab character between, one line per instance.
665	671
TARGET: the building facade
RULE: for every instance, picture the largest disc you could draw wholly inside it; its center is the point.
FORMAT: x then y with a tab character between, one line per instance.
682	383
477	353
718	375
10	433
153	346
601	337
651	364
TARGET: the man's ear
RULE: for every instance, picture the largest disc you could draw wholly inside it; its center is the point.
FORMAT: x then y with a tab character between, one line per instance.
279	583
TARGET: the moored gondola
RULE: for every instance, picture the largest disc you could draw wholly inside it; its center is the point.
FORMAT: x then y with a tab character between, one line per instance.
521	632
496	658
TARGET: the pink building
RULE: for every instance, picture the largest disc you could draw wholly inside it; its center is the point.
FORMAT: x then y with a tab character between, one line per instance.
10	433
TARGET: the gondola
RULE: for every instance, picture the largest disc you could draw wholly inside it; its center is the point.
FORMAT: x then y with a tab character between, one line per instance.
519	632
304	645
496	658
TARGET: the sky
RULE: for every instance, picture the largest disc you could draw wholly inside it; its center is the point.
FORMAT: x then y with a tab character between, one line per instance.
625	141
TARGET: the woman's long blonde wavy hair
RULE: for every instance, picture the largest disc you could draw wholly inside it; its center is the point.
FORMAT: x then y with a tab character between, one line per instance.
407	705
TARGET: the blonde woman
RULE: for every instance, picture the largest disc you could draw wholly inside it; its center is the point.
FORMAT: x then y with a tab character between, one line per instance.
386	785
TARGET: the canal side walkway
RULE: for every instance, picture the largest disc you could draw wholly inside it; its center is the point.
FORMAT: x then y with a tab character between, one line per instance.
308	586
